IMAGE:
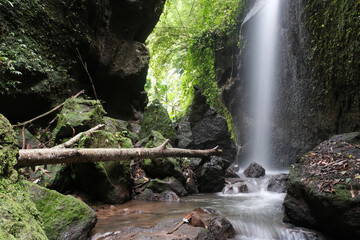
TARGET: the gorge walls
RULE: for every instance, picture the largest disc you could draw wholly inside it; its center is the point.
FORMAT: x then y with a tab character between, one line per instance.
45	39
318	77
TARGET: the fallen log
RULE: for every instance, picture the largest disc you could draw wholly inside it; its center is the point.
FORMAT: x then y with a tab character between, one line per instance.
34	157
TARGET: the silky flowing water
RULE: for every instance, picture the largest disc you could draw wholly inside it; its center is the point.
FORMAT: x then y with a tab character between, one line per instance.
256	215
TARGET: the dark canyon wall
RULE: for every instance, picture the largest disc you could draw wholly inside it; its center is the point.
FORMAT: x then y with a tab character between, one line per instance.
318	81
41	38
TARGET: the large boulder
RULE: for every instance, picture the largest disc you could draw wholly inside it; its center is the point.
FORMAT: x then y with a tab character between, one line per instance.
28	211
254	170
77	115
210	176
8	150
63	217
278	183
209	129
221	228
157	118
169	183
324	188
44	41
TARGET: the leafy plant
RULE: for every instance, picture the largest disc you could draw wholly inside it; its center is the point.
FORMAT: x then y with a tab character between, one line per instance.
183	48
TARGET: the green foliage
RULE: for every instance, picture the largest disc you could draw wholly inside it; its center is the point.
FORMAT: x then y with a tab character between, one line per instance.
182	51
35	41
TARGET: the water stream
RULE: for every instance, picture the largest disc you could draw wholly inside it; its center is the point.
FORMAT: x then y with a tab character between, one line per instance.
256	215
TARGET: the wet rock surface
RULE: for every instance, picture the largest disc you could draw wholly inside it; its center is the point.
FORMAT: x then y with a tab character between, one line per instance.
278	183
235	187
210	176
221	228
324	188
204	128
254	170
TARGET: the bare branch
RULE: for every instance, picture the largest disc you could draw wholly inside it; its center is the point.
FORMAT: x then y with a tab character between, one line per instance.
76	138
47	113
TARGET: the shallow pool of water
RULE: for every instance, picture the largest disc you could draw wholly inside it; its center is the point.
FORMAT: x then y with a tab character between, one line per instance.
256	215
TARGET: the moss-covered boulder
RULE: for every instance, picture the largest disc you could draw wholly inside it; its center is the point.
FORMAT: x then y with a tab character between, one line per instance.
169	183
64	217
157	118
324	188
78	115
129	130
19	217
8	150
28	211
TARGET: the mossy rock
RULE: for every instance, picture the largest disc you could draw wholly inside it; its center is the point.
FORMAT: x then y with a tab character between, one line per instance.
64	217
99	139
154	139
157	118
124	128
78	115
8	150
19	217
169	183
30	140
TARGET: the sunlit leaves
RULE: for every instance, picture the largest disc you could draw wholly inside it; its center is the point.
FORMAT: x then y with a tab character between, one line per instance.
182	50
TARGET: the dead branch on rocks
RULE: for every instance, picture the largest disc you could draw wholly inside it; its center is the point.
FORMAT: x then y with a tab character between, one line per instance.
34	157
47	113
76	138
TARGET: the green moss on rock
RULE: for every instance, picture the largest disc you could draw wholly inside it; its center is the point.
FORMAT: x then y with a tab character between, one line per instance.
8	150
157	118
19	217
78	114
64	217
334	29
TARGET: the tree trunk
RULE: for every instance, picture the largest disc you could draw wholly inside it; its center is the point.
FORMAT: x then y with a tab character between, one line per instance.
33	157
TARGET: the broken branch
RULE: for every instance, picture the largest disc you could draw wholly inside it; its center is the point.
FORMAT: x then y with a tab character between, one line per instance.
76	138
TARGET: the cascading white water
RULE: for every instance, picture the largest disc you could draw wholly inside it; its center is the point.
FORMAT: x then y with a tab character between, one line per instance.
262	76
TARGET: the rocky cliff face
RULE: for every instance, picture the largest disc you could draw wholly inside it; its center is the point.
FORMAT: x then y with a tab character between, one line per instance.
318	83
43	40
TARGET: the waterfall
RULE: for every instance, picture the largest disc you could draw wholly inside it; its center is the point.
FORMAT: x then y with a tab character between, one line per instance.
261	77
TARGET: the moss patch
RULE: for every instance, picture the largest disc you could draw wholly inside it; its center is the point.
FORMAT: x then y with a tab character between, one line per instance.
334	31
8	150
64	217
19	217
78	115
157	118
